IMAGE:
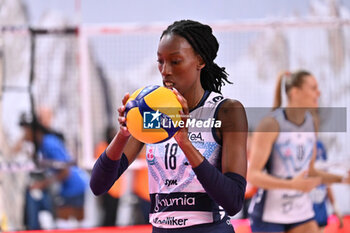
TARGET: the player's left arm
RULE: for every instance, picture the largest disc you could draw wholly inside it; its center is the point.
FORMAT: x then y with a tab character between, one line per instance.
233	134
226	187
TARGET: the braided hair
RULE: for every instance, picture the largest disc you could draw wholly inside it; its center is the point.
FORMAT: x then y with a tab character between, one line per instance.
204	43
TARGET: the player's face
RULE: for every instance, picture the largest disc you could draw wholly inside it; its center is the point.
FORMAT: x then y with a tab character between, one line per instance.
308	93
178	63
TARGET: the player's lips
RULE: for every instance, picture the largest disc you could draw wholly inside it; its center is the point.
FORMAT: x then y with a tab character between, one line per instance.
168	84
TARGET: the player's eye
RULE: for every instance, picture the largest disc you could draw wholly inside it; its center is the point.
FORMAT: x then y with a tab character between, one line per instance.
175	62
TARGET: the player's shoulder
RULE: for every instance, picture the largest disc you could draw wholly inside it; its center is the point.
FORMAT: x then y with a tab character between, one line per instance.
233	116
268	124
231	106
232	103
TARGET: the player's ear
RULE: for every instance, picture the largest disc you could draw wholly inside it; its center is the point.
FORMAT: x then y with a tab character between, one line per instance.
201	63
294	91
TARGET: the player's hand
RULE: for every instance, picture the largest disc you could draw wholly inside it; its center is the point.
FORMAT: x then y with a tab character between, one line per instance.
346	179
121	118
182	134
305	183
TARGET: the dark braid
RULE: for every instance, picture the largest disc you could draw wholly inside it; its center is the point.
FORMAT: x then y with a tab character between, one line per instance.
204	43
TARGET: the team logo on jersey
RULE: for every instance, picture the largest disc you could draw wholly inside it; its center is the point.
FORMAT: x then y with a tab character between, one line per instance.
184	200
217	98
195	137
150	156
301	152
169	182
172	221
288	152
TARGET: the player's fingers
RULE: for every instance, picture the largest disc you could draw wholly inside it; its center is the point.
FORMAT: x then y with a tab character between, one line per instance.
318	181
313	182
125	98
182	101
303	174
121	110
122	120
124	130
185	107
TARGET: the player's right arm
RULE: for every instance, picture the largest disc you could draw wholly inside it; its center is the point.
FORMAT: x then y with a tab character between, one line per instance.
262	143
120	153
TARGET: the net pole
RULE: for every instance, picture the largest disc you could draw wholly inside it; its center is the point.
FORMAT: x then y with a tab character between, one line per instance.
3	150
87	159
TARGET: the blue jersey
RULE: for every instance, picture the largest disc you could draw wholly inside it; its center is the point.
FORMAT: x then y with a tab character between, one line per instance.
52	148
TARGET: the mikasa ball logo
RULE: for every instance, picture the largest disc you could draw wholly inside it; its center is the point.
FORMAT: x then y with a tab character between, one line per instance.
157	120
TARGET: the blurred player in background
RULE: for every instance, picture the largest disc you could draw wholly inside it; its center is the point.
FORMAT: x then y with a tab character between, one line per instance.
322	194
282	158
57	168
215	167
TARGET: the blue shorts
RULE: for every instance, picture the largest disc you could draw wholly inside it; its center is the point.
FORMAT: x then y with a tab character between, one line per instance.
75	201
258	225
321	215
223	226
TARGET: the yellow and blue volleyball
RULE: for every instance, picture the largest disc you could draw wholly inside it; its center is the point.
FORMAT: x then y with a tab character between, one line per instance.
152	114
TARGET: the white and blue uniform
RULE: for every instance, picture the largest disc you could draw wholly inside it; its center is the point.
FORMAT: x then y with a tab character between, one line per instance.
177	197
290	155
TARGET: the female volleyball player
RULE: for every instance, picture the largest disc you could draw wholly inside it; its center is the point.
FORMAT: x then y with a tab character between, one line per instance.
197	178
282	155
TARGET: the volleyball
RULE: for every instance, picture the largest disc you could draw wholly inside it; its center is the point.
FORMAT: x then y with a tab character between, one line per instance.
152	114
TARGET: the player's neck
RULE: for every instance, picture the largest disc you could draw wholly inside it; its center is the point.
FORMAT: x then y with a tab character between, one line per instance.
295	115
194	97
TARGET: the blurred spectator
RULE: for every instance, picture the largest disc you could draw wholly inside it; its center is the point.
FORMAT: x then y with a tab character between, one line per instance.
55	167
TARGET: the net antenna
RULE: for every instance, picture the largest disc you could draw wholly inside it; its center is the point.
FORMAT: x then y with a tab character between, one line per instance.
4	149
